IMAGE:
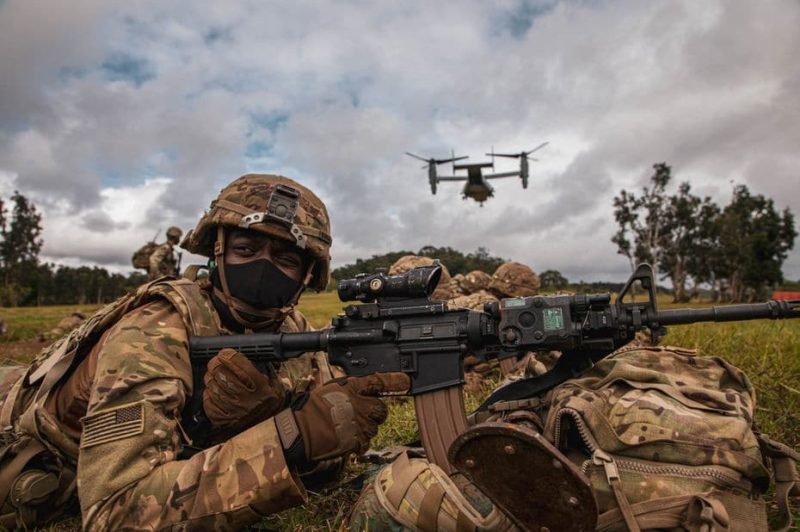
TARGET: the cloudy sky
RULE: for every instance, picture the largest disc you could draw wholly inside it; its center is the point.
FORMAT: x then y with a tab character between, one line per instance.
121	118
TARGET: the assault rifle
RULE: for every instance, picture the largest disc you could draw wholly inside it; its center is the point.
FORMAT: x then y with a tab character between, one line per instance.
397	327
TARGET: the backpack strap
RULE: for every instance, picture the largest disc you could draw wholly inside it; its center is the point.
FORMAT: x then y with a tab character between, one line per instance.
30	447
7	409
192	271
787	481
612	475
194	306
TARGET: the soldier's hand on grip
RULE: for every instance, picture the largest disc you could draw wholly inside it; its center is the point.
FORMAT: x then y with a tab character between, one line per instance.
343	415
236	394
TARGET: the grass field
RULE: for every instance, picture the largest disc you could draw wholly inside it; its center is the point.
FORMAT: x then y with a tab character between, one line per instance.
768	352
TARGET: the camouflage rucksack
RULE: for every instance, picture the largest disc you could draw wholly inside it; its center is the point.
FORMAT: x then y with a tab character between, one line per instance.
141	259
666	438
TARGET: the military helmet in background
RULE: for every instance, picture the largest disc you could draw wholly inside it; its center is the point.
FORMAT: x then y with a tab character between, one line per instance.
409	262
475	281
513	279
274	205
174	232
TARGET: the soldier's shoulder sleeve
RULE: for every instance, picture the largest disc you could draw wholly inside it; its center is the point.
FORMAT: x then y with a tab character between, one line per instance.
129	476
147	344
158	255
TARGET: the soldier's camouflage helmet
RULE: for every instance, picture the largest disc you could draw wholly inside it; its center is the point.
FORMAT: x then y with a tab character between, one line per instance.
409	262
274	205
513	279
174	232
475	281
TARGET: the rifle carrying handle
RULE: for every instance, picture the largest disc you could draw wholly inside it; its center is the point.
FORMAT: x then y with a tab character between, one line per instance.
441	419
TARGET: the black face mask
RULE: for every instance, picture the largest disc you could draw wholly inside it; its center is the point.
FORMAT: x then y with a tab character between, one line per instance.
258	283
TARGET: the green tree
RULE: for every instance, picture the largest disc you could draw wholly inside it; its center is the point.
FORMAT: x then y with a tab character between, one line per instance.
754	241
707	264
682	237
641	219
552	280
19	249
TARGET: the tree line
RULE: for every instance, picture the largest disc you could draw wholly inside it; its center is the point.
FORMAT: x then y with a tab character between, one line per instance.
737	251
455	261
27	281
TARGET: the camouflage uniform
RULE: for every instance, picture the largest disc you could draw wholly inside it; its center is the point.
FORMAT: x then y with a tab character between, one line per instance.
115	419
64	326
163	260
132	477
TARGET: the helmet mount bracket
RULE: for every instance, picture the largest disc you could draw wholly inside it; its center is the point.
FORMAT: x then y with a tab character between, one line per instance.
281	209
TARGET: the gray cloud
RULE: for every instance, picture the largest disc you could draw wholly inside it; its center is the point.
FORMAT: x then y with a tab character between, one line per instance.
111	96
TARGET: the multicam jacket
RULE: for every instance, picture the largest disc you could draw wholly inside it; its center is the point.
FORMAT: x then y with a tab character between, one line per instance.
122	403
163	262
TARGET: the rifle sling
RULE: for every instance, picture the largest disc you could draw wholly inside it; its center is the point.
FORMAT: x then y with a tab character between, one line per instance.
569	365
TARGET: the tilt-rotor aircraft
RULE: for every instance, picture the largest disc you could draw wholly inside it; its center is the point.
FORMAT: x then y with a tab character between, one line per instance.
477	186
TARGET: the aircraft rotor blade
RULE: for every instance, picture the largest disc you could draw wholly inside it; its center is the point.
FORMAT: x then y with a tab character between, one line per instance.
450	160
418	157
509	155
539	147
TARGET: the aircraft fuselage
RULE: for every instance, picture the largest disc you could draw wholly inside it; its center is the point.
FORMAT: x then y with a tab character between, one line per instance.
476	187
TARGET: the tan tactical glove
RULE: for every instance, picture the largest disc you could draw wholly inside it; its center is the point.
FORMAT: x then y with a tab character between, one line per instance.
237	395
343	415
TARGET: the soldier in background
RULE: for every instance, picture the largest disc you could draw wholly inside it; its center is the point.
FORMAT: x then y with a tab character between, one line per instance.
164	261
64	326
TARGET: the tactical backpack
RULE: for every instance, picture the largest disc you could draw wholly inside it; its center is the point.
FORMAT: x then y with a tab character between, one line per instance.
141	258
667	440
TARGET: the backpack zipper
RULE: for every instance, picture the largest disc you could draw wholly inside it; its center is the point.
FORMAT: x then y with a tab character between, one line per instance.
613	464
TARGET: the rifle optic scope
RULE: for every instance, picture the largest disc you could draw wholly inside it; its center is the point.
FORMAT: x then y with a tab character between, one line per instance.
418	282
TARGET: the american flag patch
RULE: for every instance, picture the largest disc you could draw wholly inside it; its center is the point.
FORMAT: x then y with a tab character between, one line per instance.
112	425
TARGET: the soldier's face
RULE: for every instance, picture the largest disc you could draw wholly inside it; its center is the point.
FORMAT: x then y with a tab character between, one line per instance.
246	246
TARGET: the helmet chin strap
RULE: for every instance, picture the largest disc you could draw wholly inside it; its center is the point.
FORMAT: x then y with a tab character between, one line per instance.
272	316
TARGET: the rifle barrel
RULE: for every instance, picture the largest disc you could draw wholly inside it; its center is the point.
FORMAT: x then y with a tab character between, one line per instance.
773	310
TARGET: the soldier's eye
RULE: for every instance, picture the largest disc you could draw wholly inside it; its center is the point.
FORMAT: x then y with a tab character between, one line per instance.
289	259
243	250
